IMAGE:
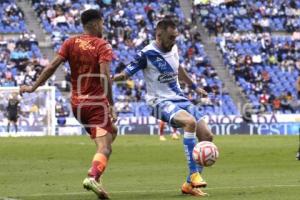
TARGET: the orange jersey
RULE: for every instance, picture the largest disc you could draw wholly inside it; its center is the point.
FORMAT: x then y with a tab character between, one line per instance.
85	53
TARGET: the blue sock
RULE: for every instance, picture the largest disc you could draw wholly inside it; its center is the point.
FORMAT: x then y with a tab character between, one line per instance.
189	143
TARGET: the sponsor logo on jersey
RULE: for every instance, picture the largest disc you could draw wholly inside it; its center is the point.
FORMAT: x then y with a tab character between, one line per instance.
161	64
167	77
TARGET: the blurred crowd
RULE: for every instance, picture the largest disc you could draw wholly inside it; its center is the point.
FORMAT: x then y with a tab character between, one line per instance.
257	16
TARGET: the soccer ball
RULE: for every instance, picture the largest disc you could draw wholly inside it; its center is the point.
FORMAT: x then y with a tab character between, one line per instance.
205	153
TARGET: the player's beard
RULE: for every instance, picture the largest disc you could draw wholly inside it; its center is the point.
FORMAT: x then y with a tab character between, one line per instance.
168	48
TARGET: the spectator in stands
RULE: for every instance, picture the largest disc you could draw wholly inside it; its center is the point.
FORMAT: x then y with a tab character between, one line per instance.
264	100
256	26
286	102
287	65
272	60
266	79
248	60
44	61
257	87
210	72
267	44
276	104
238	72
265	24
218	27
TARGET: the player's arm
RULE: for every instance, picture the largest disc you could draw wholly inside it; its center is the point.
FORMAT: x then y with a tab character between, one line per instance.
140	62
46	74
183	76
105	71
106	82
120	76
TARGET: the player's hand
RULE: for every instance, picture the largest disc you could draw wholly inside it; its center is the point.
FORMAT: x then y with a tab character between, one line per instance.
113	114
26	89
201	92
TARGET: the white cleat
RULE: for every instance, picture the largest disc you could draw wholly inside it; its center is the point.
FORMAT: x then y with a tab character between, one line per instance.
91	184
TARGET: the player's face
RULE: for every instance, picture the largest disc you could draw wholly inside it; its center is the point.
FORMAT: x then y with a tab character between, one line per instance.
168	38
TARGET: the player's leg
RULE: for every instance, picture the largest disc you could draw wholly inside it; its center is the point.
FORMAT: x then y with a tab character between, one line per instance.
8	126
161	131
169	111
100	159
114	132
15	124
203	132
99	163
188	123
175	134
194	180
98	124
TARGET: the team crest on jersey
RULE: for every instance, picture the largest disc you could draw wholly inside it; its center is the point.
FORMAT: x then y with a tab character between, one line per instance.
84	45
108	46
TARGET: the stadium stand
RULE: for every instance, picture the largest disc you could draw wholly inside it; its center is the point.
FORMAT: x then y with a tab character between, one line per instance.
256	16
12	17
265	67
264	64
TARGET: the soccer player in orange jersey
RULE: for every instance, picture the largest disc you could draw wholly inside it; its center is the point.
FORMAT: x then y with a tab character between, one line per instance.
89	57
175	134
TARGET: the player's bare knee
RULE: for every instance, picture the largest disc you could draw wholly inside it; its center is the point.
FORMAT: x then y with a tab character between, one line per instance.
105	150
190	124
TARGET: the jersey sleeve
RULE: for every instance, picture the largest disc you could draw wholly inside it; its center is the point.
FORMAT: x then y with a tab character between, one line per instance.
140	62
106	53
64	49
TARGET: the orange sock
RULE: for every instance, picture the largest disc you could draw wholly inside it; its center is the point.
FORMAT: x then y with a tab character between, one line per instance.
98	166
161	128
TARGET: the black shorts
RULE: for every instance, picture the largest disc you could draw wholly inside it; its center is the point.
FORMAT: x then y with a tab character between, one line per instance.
13	117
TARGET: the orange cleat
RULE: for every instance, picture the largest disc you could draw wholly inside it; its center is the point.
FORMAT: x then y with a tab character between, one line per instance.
197	180
187	188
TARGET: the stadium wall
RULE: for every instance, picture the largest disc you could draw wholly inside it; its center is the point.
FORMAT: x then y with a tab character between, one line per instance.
220	125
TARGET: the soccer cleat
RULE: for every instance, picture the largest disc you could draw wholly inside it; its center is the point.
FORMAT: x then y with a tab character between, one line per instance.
175	136
162	138
92	184
187	188
197	180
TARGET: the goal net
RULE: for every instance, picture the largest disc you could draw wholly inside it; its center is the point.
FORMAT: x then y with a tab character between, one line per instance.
36	115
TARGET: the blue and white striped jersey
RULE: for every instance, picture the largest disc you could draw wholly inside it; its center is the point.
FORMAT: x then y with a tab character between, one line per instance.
160	72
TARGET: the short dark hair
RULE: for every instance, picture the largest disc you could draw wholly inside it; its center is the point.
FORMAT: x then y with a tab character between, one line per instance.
165	24
90	15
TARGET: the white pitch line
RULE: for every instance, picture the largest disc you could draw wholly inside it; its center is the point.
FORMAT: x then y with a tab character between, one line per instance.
148	191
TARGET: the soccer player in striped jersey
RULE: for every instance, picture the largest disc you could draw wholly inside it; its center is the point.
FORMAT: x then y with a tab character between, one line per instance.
159	62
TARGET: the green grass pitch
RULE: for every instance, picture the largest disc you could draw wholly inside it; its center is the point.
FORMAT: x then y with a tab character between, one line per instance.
143	168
